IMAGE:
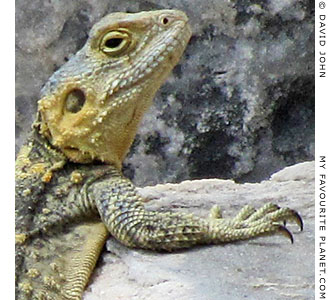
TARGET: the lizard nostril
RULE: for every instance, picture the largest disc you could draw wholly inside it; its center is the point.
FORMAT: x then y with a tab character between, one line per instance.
165	21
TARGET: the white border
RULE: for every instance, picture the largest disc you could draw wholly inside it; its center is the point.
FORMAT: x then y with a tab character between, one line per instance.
322	136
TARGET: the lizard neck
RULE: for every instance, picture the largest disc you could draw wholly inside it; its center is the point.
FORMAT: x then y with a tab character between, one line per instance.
37	157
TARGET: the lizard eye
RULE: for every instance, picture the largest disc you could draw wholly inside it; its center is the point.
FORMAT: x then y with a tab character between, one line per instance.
114	43
75	100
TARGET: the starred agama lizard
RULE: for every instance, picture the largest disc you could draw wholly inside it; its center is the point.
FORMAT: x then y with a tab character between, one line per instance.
70	191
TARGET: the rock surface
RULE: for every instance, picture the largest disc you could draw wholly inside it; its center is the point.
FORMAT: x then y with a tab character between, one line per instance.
239	105
265	268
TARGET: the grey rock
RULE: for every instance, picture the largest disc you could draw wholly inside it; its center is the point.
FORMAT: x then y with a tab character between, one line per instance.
265	268
239	105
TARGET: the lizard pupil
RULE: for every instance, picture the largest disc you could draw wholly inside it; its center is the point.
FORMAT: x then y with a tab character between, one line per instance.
75	100
113	43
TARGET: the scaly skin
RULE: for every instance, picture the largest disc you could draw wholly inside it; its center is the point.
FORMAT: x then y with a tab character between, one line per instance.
70	193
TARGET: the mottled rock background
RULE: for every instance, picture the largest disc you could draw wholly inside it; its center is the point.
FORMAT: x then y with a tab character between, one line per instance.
239	105
266	268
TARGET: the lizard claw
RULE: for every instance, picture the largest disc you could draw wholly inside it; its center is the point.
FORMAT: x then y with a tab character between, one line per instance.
286	232
299	221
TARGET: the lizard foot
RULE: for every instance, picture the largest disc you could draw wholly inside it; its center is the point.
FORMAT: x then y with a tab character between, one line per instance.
250	223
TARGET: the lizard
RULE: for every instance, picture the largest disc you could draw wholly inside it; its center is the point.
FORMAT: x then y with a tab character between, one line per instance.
70	190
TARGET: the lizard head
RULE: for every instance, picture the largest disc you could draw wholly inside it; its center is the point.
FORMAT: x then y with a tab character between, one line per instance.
91	107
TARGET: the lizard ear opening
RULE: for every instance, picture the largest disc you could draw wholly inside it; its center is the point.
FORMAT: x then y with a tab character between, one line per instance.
75	100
